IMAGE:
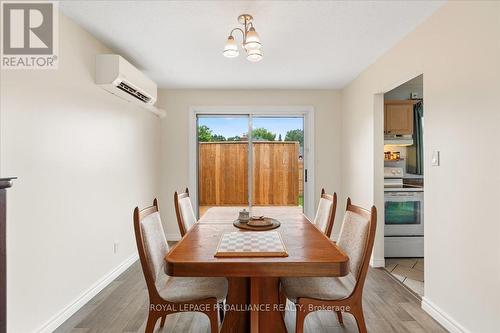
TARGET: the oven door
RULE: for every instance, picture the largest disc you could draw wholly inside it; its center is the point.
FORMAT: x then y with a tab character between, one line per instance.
404	213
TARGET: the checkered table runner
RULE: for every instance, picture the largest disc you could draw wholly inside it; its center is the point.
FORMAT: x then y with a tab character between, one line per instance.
251	244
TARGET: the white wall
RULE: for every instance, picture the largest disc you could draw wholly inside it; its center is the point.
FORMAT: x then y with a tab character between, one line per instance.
84	159
174	175
458	51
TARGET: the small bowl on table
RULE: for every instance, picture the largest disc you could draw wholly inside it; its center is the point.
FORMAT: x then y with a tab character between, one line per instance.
244	216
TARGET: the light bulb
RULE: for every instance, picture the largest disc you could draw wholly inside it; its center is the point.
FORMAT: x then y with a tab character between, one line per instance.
231	48
252	42
254	55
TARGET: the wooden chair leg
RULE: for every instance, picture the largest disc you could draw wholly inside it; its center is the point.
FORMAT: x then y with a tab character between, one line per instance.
152	319
213	316
163	319
300	314
360	319
282	300
339	317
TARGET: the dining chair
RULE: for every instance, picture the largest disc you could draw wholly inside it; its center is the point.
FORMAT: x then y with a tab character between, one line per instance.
325	215
186	217
341	294
167	294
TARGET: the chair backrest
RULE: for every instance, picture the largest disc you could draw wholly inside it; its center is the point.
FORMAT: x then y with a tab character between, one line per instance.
151	244
186	217
325	215
356	239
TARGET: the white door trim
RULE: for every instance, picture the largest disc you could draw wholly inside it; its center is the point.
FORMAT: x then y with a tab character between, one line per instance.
260	110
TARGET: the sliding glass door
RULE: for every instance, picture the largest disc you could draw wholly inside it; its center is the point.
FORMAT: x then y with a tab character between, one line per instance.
277	161
223	176
250	160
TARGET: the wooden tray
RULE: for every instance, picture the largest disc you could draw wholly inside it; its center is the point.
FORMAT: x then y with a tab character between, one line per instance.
245	226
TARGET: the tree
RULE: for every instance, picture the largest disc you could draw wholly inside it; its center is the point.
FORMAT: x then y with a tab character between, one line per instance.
218	138
262	134
295	135
204	133
279	138
234	138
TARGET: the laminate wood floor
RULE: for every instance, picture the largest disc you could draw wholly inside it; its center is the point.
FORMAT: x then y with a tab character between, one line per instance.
122	307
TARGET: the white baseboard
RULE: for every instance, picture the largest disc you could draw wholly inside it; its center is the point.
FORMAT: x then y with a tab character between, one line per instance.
442	317
86	296
377	262
173	237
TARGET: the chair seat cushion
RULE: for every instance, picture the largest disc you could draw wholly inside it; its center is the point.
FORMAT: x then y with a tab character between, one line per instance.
324	288
183	289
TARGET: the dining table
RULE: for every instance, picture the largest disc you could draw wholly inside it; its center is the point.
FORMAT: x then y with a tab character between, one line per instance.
253	302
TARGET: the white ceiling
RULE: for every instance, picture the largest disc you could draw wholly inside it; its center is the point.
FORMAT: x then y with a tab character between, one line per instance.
306	44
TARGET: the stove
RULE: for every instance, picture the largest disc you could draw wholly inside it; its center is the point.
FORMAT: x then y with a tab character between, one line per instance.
393	172
404	218
403	188
393	181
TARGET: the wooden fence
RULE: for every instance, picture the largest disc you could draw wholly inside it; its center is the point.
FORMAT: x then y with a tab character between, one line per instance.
223	173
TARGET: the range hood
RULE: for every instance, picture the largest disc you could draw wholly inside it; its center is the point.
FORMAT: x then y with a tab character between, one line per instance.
398	140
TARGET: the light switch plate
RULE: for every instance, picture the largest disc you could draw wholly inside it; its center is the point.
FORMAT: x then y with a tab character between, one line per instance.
435	158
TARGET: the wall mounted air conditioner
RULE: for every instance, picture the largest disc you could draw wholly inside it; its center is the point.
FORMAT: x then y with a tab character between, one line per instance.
121	78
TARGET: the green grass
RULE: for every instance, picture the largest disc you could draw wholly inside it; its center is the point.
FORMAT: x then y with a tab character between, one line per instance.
301	200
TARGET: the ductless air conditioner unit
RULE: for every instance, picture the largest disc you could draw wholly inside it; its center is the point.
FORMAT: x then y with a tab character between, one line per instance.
119	77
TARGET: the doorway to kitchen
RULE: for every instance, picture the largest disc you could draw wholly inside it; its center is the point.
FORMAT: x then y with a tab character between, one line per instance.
404	184
248	157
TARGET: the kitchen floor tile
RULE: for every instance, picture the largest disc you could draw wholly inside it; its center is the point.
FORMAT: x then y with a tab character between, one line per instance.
406	262
401	270
409	271
419	266
416	286
390	267
415	274
399	277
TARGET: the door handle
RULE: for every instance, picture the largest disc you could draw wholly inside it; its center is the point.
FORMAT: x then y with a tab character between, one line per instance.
305	175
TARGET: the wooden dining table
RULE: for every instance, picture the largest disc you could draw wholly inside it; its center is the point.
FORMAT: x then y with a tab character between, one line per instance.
252	303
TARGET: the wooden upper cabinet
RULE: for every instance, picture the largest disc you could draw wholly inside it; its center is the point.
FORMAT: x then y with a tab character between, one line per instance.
398	117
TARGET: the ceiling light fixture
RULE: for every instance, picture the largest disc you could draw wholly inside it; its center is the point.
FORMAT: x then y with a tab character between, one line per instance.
251	41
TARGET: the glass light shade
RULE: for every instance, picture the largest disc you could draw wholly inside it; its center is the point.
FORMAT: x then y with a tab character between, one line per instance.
231	48
252	42
254	55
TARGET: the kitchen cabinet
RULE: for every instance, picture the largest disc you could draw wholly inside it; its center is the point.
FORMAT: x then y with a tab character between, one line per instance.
398	117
